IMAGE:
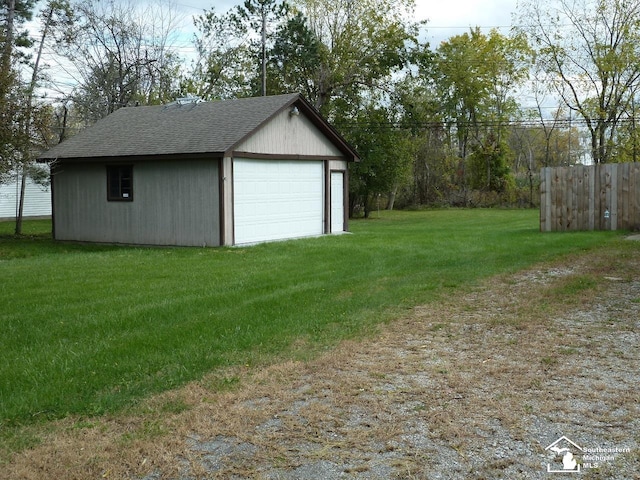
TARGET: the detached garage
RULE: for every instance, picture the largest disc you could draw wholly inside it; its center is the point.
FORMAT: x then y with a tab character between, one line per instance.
195	173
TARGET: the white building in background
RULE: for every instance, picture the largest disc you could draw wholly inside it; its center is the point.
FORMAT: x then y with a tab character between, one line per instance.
37	199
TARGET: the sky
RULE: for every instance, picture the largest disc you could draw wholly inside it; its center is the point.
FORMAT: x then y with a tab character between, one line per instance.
445	17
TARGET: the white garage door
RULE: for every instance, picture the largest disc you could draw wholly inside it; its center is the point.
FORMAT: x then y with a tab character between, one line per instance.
277	199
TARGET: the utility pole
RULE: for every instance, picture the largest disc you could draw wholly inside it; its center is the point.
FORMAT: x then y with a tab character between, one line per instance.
264	51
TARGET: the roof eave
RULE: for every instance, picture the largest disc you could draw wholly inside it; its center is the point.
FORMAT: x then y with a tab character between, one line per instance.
128	158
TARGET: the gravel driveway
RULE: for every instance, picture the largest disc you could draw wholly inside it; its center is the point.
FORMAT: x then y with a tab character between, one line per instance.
522	374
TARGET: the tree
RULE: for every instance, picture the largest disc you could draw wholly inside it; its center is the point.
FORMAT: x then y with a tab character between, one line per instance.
55	12
13	41
120	56
295	58
386	154
257	14
476	75
13	15
326	49
16	105
232	61
223	67
592	47
433	162
628	139
488	165
362	44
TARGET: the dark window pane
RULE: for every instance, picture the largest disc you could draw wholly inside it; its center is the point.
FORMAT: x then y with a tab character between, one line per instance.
120	182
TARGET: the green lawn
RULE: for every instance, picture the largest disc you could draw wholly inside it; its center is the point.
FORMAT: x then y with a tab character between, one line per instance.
90	329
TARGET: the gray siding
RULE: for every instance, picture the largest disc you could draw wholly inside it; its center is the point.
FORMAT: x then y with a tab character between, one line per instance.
174	203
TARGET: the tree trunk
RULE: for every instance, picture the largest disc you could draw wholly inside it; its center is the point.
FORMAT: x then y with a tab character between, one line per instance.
11	10
392	197
366	203
23	186
5	67
63	130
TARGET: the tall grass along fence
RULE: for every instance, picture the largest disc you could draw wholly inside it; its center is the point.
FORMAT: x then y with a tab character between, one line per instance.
595	197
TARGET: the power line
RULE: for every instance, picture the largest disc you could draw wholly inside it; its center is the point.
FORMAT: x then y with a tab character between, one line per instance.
427	125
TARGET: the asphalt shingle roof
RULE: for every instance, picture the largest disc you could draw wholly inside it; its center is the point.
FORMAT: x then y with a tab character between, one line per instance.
190	128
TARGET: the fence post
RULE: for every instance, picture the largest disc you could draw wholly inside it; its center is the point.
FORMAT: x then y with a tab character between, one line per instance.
613	201
543	203
634	186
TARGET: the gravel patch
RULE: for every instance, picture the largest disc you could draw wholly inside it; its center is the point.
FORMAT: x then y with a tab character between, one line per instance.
476	389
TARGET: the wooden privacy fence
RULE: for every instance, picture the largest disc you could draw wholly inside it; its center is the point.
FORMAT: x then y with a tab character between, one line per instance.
595	197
